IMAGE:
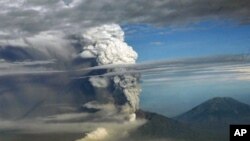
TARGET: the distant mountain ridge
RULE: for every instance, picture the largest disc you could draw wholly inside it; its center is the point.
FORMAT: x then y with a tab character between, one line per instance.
218	110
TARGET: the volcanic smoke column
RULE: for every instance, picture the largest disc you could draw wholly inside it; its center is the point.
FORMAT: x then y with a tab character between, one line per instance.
106	44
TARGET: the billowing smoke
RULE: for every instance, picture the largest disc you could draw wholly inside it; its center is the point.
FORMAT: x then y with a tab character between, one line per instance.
106	44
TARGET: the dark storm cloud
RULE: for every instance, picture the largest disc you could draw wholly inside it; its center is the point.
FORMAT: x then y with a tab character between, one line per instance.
32	16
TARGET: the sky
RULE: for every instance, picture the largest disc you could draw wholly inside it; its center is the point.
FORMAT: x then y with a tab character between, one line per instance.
196	40
157	30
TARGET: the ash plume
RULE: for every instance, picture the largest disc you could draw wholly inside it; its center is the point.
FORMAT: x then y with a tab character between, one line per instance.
106	44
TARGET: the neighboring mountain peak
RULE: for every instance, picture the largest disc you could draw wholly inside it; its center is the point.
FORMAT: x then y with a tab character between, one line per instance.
218	110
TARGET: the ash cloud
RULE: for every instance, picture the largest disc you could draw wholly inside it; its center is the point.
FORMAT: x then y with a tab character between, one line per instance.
106	44
111	98
108	100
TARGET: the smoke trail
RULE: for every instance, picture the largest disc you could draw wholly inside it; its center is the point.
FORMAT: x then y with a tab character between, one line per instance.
106	44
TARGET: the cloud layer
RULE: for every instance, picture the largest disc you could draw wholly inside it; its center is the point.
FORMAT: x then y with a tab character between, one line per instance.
26	17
